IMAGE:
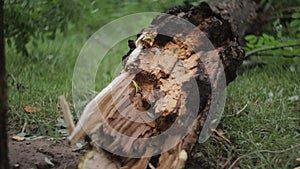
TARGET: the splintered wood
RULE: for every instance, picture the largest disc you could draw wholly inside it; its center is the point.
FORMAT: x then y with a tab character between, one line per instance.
68	117
167	81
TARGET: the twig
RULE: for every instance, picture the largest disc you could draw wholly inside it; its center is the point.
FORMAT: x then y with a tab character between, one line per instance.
221	134
227	162
67	113
240	111
288	9
264	151
80	148
24	127
272	17
151	166
253	52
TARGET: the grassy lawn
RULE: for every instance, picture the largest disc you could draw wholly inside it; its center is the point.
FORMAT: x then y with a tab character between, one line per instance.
262	108
38	80
261	114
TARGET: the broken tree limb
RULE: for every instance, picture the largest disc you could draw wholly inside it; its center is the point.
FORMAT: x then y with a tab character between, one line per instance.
151	115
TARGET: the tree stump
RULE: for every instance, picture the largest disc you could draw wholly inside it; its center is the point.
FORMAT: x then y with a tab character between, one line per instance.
151	115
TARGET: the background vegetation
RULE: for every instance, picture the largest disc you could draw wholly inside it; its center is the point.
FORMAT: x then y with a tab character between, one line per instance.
44	39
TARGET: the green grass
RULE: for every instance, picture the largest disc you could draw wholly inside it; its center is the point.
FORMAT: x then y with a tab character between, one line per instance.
270	121
45	74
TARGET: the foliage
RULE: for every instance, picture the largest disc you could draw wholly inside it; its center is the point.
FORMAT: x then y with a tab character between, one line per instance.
26	19
284	35
96	11
277	6
295	25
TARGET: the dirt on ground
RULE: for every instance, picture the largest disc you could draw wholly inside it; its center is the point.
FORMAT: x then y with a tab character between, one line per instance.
36	154
43	154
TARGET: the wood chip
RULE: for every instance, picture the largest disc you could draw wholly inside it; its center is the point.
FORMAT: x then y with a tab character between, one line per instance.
67	114
18	138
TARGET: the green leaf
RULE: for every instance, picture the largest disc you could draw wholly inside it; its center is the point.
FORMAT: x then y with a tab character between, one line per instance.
251	38
296	15
265	36
295	23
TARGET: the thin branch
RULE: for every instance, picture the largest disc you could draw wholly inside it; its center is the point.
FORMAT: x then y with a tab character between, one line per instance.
264	151
240	111
24	127
253	52
288	9
272	18
227	162
283	55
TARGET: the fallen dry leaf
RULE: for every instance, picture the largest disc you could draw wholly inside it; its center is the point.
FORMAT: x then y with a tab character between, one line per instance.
18	138
30	109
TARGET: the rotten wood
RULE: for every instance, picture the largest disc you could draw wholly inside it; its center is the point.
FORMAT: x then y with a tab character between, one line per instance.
170	71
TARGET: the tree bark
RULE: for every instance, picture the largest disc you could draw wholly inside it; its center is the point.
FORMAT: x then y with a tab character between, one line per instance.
170	72
4	164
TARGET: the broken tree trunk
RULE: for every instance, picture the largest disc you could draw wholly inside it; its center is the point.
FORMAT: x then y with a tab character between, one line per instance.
151	115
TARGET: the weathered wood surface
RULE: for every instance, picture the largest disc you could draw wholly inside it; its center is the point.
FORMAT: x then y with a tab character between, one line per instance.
169	72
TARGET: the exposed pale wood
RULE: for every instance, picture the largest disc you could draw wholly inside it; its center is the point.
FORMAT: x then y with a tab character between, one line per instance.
90	121
68	117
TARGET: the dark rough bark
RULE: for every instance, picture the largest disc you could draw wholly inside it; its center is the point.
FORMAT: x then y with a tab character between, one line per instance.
242	15
169	49
3	97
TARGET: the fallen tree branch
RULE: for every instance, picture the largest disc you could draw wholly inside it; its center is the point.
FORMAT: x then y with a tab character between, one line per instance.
264	151
253	52
170	91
